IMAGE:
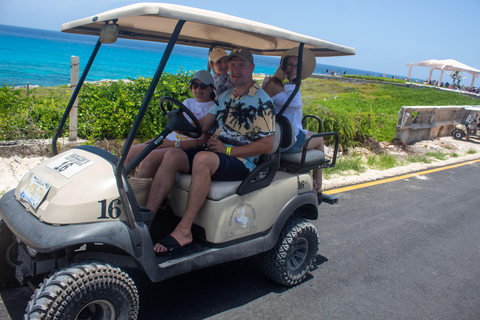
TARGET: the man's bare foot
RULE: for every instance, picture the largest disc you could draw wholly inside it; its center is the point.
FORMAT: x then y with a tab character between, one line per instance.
173	242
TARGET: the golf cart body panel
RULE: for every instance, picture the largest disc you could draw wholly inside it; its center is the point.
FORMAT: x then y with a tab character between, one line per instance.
79	205
237	217
72	197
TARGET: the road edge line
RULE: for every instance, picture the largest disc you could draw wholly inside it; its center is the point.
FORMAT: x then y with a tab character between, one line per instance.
405	176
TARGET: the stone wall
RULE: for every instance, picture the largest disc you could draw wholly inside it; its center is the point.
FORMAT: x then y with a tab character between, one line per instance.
419	123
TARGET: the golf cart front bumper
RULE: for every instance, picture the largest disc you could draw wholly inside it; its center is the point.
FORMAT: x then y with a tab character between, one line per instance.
45	239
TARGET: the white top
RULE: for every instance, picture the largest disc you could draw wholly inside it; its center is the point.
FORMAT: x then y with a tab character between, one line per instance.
156	21
199	109
294	109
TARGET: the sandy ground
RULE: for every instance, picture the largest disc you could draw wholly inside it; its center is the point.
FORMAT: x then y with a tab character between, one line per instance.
13	168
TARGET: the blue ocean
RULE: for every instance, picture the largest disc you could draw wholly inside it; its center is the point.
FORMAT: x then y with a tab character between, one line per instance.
42	57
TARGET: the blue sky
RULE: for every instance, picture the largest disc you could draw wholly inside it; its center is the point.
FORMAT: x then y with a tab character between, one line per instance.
386	34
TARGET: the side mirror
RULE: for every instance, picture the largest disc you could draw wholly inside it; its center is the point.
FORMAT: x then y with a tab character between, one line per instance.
109	33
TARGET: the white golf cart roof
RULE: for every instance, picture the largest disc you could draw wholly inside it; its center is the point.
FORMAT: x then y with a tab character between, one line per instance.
203	28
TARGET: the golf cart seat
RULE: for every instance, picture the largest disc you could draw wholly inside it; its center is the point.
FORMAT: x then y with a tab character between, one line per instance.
307	159
259	178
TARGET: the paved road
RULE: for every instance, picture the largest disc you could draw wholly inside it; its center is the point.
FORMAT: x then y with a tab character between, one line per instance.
408	249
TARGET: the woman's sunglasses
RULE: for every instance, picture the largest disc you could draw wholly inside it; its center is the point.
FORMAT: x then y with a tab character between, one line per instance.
202	86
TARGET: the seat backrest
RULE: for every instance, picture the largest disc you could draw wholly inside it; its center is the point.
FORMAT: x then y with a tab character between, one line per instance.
303	161
286	131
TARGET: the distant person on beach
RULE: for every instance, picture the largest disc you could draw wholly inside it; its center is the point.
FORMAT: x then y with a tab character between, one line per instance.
218	62
279	87
202	88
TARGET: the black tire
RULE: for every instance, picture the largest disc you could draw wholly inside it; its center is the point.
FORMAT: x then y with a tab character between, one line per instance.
8	256
458	134
289	262
85	291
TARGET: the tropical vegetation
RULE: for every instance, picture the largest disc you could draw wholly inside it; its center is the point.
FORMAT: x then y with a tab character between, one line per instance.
106	111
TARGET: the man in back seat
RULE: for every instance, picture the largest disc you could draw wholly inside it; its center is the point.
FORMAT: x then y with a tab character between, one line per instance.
245	119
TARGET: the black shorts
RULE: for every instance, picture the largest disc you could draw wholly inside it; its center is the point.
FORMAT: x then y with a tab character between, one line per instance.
229	168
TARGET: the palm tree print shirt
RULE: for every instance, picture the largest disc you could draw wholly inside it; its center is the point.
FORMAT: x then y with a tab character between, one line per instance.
245	119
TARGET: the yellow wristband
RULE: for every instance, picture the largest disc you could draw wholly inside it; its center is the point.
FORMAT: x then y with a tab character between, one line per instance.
284	81
177	144
229	150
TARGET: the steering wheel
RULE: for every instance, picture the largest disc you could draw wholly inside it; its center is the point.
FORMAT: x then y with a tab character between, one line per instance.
178	121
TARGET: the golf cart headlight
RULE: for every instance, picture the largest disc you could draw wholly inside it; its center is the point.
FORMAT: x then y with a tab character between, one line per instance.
32	252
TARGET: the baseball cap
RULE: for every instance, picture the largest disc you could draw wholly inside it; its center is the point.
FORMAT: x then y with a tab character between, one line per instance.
242	53
203	76
216	54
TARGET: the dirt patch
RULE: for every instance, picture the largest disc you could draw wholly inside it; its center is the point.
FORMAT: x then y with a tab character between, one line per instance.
456	151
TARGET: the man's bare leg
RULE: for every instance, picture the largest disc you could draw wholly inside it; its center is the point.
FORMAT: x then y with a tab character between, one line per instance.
149	166
204	166
174	161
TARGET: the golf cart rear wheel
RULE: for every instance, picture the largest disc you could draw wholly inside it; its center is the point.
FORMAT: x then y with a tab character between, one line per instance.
85	291
294	254
458	134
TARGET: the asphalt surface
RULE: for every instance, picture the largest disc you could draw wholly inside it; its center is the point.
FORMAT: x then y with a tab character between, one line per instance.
406	249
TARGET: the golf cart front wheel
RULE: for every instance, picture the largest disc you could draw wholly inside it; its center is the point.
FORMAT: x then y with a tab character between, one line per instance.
85	291
458	134
289	262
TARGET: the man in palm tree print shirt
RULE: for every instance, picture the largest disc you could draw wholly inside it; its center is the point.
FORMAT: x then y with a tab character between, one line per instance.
245	120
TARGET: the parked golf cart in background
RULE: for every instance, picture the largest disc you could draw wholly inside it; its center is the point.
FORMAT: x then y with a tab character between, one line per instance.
469	126
75	219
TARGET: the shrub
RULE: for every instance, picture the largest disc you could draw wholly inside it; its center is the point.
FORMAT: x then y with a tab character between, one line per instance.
106	111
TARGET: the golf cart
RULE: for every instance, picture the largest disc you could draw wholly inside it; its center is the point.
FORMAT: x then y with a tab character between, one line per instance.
75	221
469	126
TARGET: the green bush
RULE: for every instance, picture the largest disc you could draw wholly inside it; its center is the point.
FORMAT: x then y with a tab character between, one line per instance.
17	115
106	111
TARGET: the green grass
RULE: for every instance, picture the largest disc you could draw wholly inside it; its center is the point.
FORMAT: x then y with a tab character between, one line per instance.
382	162
357	164
471	151
437	155
346	164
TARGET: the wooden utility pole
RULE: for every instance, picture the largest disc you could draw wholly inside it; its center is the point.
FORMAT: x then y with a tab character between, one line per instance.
74	64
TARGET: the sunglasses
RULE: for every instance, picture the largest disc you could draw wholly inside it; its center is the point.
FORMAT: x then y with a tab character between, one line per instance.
202	86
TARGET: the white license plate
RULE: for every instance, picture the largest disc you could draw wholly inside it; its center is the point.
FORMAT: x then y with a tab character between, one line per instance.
70	164
35	191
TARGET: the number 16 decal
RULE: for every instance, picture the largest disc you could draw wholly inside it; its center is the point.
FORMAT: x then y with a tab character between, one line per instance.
114	209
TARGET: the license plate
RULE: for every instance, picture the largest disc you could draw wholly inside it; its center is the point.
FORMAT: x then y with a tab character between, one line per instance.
70	164
35	191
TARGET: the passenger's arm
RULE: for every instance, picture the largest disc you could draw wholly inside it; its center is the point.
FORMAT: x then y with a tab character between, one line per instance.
256	148
186	144
208	122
